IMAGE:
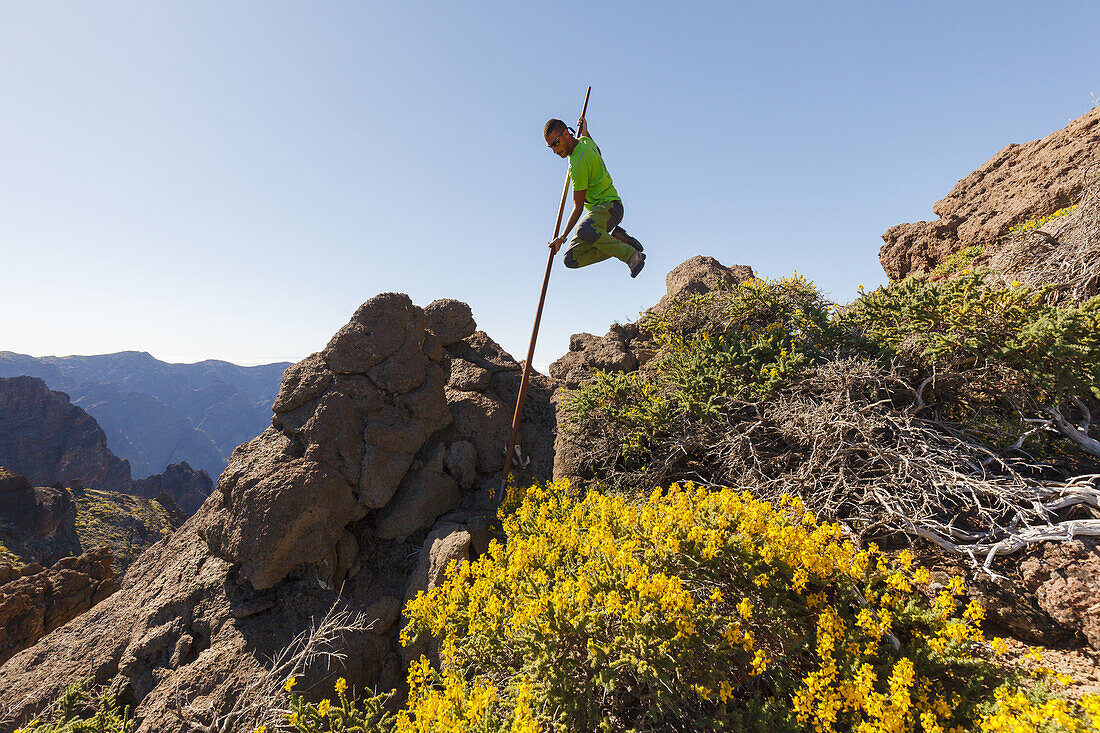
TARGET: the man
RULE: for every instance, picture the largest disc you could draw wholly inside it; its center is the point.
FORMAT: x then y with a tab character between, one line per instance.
599	235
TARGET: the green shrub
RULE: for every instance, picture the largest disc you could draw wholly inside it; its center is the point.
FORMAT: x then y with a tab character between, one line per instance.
963	259
1009	341
80	710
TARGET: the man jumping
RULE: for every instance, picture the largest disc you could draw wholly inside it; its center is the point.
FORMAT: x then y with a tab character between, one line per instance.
599	235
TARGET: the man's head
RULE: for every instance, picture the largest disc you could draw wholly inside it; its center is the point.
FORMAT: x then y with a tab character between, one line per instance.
558	138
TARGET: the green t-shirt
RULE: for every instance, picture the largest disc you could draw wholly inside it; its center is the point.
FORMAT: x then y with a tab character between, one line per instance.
589	174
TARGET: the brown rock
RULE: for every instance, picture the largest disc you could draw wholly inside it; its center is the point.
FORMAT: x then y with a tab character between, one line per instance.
450	320
379	328
698	275
1066	578
461	462
484	421
1019	183
188	487
589	354
277	511
32	605
468	377
302	382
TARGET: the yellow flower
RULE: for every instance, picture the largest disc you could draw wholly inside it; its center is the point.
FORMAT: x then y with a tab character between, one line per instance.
341	685
290	682
323	708
261	729
292	718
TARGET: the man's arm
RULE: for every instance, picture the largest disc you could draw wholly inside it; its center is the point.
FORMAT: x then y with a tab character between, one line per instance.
574	217
582	127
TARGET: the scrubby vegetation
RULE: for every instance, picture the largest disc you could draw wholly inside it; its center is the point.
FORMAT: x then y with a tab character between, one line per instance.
80	710
719	566
950	409
125	523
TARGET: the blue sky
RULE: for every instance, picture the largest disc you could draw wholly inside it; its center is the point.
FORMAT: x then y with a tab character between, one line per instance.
232	179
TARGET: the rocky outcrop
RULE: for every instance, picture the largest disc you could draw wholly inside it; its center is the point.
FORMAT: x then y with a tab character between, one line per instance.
1019	183
35	601
371	450
625	348
51	441
36	522
187	486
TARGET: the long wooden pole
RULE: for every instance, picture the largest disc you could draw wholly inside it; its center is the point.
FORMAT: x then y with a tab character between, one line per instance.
518	416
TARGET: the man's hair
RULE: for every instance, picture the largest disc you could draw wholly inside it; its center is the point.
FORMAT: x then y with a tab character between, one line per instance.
553	126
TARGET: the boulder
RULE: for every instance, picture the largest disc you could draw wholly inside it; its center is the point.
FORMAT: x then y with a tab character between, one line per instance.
1019	183
698	275
1066	581
450	320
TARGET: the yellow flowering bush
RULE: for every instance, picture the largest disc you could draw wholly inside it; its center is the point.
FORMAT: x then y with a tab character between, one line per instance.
692	609
1037	222
343	715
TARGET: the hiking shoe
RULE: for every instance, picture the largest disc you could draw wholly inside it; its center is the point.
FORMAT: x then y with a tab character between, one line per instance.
636	263
621	235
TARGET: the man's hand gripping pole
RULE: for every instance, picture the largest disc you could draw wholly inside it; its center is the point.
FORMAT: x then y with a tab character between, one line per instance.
518	416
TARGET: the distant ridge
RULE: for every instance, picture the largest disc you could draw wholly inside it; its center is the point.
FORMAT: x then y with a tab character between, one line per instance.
157	413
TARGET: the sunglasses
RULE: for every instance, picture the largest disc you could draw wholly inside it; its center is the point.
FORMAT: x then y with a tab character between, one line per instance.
556	141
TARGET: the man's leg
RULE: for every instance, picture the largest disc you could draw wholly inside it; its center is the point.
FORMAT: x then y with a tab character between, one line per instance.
592	242
620	234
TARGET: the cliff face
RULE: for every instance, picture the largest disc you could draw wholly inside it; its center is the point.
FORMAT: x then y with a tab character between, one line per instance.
49	440
381	463
1019	183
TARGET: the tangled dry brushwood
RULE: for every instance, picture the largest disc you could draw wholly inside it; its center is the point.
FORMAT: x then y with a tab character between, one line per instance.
844	437
260	702
1065	252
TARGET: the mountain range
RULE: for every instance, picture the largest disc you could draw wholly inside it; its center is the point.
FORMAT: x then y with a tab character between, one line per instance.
155	413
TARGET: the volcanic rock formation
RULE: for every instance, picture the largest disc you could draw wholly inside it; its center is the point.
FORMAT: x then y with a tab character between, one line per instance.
35	601
47	439
1019	183
392	434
